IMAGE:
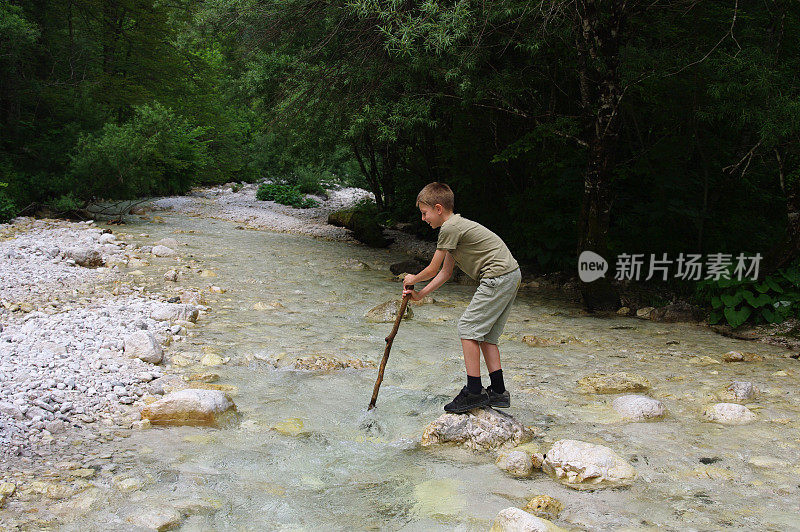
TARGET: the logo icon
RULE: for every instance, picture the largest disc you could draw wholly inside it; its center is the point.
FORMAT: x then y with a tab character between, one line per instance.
591	266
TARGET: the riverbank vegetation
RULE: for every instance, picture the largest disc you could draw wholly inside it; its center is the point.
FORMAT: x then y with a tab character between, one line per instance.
624	127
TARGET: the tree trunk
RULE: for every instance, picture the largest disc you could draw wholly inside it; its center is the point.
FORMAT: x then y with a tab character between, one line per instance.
599	34
372	180
788	249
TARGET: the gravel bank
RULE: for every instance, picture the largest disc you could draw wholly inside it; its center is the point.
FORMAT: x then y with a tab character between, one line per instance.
242	207
66	372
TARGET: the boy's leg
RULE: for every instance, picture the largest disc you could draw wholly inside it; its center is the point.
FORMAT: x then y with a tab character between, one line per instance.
507	292
491	354
473	394
472	356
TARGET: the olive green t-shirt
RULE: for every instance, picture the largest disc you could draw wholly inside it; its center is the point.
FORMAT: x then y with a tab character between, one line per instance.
477	251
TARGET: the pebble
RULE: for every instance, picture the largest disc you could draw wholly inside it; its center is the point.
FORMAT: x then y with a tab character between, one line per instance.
729	414
638	407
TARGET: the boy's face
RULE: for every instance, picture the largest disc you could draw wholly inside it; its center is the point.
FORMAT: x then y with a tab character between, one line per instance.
432	215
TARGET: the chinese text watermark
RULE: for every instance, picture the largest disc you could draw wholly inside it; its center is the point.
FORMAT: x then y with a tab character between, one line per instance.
687	266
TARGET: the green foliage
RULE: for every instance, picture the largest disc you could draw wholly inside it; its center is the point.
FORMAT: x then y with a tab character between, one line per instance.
771	300
7	208
285	195
66	203
156	152
310	179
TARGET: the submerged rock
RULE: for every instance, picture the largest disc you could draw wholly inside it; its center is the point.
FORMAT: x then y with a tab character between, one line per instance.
427	300
167	242
614	383
190	407
355	265
482	429
289	427
536	341
163	251
7	489
583	465
544	506
204	377
387	312
638	407
329	363
157	519
516	520
213	359
729	414
144	346
738	356
738	392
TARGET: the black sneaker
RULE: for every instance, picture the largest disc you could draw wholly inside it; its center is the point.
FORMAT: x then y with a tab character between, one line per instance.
498	400
466	401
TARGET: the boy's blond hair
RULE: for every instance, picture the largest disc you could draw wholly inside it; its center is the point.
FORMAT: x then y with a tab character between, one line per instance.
436	192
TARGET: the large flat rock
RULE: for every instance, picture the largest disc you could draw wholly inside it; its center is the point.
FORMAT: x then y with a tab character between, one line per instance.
482	429
190	406
583	465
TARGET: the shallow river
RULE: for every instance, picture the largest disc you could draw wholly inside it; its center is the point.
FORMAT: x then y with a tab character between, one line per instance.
346	470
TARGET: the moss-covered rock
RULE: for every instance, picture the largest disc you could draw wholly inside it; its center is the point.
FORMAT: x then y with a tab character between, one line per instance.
363	226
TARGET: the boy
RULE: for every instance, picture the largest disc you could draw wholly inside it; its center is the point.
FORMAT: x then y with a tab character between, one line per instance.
482	255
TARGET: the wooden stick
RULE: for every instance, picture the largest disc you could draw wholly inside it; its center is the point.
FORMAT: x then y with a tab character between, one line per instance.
389	340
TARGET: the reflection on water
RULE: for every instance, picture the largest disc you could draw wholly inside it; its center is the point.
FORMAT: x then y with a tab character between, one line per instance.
339	467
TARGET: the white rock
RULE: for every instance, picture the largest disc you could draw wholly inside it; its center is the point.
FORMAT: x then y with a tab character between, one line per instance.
174	312
742	390
482	429
167	242
729	414
516	520
162	251
144	346
107	238
189	407
157	519
515	463
88	258
583	465
171	276
638	407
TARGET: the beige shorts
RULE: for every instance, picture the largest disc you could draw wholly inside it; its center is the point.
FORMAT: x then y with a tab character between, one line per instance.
487	313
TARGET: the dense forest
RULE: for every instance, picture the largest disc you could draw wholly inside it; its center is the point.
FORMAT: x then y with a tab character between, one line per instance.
619	126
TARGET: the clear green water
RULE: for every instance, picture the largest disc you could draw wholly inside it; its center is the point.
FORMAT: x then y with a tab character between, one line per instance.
339	475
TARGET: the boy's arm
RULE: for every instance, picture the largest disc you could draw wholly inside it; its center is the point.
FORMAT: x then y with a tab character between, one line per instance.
429	271
444	274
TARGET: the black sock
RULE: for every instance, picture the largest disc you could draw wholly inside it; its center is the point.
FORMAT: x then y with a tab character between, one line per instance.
497	381
474	384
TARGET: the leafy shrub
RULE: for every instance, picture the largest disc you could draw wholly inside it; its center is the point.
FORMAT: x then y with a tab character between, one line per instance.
156	152
65	203
7	208
310	179
772	300
284	194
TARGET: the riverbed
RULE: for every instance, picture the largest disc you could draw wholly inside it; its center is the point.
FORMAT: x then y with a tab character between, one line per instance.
305	454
